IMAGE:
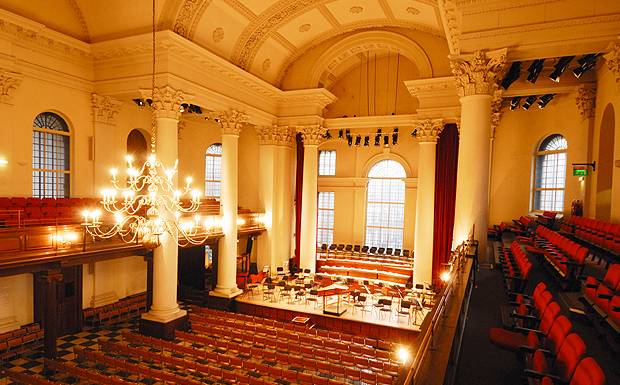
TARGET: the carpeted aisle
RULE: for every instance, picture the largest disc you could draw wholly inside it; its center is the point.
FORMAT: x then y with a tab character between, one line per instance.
480	362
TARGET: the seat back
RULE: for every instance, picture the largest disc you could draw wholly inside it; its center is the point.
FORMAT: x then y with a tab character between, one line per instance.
542	301
588	372
557	334
569	355
612	277
551	313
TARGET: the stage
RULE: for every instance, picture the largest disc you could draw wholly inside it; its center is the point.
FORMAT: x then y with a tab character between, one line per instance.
371	323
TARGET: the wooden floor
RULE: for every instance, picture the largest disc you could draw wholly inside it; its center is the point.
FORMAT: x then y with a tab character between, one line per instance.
371	316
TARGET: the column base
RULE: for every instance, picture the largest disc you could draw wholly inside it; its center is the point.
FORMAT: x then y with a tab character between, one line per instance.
225	293
164	329
223	299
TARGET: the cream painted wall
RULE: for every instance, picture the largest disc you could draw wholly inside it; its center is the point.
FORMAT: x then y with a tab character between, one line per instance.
607	92
349	185
16	299
108	281
516	140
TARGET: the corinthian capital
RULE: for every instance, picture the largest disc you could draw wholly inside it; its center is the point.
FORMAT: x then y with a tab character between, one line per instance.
166	101
231	121
275	135
105	109
478	75
613	60
311	134
9	81
428	130
586	100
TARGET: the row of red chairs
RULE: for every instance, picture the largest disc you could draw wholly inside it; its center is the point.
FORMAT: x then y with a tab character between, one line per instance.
563	257
602	234
120	311
239	320
552	352
27	379
349	371
18	341
515	266
603	300
87	375
143	371
520	227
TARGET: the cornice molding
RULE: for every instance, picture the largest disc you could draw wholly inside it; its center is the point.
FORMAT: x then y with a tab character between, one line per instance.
613	60
450	19
428	130
477	74
105	109
275	135
188	16
432	87
9	81
586	101
473	7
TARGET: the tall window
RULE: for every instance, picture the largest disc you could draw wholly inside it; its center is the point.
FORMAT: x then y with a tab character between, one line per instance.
385	208
213	171
550	174
327	162
325	223
50	156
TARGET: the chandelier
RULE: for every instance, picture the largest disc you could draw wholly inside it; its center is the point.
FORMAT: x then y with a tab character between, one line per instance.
147	203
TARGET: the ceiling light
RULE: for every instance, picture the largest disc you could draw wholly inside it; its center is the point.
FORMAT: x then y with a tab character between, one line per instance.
534	70
560	67
378	138
544	100
514	103
395	136
512	75
349	139
366	140
340	134
386	140
358	140
528	102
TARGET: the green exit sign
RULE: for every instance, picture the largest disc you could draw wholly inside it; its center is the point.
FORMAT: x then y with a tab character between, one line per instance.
580	172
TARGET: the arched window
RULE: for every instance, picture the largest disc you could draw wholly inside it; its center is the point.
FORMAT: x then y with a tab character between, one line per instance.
385	206
213	171
50	156
550	174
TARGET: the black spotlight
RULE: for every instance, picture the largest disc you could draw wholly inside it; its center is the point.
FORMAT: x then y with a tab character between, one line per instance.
534	70
544	100
414	133
386	140
349	140
139	102
378	138
340	134
347	133
327	135
358	140
512	75
149	101
394	136
586	63
514	103
366	141
560	67
184	107
528	102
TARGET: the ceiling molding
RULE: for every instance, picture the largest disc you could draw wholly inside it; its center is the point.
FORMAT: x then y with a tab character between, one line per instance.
541	90
78	13
329	16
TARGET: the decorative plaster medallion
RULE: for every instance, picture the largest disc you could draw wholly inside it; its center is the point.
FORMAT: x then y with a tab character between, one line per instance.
304	27
218	34
413	10
356	9
266	65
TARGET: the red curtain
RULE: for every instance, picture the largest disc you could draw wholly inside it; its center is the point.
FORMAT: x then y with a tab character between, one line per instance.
445	196
299	180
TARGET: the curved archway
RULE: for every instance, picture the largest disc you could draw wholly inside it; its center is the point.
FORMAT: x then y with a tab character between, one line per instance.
387	156
137	145
604	164
369	41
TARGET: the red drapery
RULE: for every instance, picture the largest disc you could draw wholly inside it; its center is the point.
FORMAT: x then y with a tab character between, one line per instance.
445	197
299	180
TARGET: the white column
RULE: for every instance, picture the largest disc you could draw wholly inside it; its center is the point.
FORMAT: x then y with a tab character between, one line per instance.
476	77
427	134
166	103
231	123
307	255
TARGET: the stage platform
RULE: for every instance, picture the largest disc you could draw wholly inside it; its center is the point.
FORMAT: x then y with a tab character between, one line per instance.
369	323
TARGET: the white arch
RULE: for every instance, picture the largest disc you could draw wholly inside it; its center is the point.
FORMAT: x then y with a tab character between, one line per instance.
386	156
368	41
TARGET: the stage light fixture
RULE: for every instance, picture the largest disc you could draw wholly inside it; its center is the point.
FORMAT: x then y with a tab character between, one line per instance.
414	133
340	134
560	67
586	63
378	138
349	140
395	137
139	102
514	103
534	70
544	100
358	140
386	140
528	102
184	107
366	141
327	135
512	75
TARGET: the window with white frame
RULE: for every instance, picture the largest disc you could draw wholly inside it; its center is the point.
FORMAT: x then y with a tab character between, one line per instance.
385	206
550	174
213	171
51	147
325	219
327	162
